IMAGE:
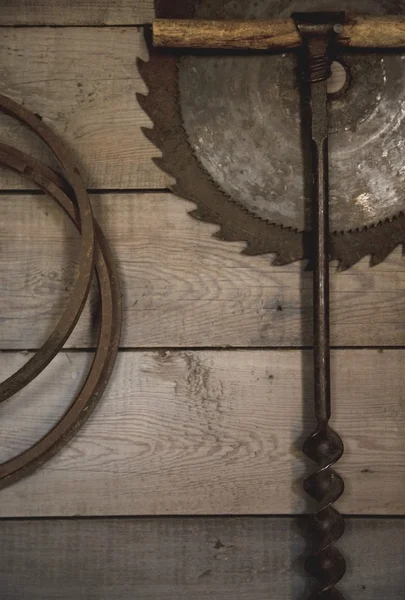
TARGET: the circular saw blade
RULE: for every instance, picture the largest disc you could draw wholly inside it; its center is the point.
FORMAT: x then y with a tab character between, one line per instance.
229	130
242	115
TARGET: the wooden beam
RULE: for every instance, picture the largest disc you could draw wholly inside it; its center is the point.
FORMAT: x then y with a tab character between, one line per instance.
278	34
181	286
226	35
208	433
179	559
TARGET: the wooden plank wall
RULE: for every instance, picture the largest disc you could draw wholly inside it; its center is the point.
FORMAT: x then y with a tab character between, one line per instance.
200	558
211	398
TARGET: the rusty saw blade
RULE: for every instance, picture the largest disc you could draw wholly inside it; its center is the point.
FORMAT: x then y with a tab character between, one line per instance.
229	127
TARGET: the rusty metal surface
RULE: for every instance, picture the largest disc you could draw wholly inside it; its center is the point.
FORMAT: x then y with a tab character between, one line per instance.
215	107
79	212
81	287
252	147
325	447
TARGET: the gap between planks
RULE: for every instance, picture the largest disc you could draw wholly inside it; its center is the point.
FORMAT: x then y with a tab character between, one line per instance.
182	287
165	349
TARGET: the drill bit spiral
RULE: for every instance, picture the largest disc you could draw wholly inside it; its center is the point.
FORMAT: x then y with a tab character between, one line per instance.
326	564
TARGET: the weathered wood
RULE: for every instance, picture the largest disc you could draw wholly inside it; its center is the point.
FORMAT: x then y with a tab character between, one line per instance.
373	32
179	559
181	286
208	433
359	32
83	83
226	35
76	12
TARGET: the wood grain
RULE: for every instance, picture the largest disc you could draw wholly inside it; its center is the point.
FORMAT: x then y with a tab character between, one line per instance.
226	35
181	286
359	32
179	559
208	433
83	83
372	32
76	12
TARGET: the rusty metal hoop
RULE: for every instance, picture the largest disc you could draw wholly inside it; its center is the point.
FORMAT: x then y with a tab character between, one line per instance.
82	284
108	343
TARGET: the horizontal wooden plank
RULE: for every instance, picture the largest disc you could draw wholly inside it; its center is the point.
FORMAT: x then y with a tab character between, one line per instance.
181	286
76	12
179	559
208	433
83	83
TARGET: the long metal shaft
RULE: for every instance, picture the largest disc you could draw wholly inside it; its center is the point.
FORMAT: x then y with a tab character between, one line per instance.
324	446
320	208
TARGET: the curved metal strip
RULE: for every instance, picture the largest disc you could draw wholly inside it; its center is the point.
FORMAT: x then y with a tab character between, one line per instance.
97	379
82	284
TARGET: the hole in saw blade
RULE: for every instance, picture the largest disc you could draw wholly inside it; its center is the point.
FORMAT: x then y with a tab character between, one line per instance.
339	80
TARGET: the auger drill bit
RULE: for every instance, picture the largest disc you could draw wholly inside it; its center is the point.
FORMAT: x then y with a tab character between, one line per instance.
314	36
324	446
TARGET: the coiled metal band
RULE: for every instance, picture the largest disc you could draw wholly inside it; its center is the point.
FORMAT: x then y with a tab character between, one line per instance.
93	248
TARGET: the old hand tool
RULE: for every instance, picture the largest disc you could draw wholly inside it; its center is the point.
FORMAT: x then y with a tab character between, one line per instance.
216	159
228	126
318	32
325	446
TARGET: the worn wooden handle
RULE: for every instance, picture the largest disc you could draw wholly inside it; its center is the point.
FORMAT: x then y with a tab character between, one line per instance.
358	32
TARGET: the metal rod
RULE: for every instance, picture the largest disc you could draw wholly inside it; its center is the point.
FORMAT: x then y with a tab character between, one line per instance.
321	252
324	446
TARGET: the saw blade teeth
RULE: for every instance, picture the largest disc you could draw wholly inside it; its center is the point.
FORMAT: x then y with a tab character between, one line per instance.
140	62
202	215
347	263
251	249
141	98
161	164
147	74
377	259
160	75
143	103
223	234
196	214
340	266
151	134
344	265
143	69
142	66
279	261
